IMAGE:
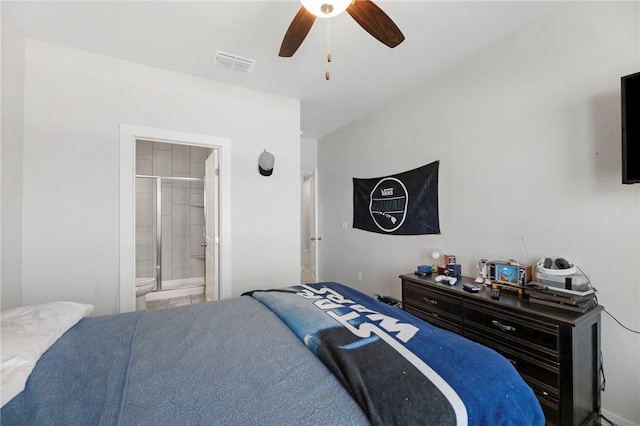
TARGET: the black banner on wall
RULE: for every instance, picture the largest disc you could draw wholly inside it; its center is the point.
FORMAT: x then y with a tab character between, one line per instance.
402	204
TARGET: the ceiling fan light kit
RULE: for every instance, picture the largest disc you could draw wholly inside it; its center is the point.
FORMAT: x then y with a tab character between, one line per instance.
326	8
369	16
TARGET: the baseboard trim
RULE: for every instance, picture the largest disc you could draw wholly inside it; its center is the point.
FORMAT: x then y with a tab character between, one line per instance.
616	419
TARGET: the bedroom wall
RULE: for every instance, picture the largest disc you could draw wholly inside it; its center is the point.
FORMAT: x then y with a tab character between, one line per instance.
11	166
308	155
528	138
74	105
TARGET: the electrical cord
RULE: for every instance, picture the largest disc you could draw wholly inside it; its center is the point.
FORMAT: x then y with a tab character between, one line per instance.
602	386
603	417
607	312
621	325
604	379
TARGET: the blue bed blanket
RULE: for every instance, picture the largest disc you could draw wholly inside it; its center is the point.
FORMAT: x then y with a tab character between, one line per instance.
400	369
230	362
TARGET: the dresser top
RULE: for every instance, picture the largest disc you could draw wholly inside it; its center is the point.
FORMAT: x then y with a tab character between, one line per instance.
508	299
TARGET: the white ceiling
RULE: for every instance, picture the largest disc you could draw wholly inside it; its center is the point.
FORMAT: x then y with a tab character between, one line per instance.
183	36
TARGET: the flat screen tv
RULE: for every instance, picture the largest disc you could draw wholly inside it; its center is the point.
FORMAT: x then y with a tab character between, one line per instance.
630	86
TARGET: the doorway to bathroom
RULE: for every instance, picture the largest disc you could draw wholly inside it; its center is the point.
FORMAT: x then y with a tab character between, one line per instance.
167	198
174	216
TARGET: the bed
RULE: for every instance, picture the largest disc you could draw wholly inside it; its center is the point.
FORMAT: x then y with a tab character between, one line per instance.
316	354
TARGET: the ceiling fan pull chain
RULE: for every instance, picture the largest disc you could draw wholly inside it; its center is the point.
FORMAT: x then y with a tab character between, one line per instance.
327	73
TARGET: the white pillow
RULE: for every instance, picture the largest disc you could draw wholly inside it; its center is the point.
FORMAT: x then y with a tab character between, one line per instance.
26	333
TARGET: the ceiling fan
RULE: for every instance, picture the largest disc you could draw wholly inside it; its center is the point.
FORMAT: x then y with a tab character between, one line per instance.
365	12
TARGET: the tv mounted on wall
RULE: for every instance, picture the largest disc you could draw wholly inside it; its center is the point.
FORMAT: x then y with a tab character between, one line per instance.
630	86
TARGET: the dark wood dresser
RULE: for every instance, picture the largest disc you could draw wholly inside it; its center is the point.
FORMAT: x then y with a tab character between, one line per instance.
557	352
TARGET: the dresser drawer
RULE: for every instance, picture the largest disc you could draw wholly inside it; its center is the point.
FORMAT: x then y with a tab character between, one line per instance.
550	408
435	319
543	377
431	300
436	307
526	335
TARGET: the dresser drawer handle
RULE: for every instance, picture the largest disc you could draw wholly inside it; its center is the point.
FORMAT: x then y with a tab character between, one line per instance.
434	314
427	300
512	361
502	326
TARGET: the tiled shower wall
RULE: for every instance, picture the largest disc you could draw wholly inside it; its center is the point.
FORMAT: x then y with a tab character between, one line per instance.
182	210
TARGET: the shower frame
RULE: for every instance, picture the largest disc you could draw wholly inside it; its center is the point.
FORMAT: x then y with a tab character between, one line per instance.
159	179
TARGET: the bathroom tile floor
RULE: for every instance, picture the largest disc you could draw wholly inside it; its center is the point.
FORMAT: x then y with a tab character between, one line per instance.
306	276
175	301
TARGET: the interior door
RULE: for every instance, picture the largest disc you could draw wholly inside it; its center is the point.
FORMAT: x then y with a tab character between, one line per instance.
313	221
212	228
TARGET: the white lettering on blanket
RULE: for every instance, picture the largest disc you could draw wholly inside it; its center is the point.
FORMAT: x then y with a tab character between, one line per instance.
331	299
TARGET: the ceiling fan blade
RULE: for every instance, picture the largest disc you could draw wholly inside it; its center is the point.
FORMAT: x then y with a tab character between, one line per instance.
297	32
375	22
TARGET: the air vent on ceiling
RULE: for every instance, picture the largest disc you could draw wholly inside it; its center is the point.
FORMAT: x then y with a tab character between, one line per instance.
234	62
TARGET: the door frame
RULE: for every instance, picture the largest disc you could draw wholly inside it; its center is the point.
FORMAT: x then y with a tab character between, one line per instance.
128	136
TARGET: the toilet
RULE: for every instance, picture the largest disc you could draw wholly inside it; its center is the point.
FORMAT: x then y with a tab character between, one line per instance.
143	286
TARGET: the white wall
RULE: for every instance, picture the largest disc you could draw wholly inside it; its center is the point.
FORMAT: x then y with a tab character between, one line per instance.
74	105
11	166
528	138
308	155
